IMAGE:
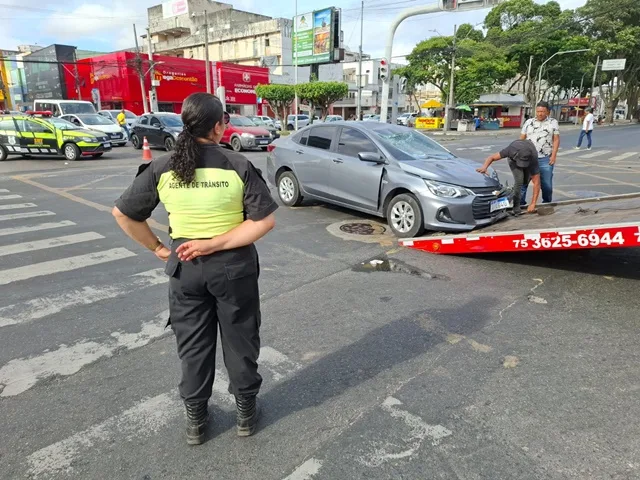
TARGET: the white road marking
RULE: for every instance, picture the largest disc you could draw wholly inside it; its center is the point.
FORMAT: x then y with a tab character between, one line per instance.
420	430
221	387
276	361
145	418
4	190
482	148
48	243
20	374
35	228
63	265
306	471
41	307
10	197
623	156
595	154
17	216
562	153
13	206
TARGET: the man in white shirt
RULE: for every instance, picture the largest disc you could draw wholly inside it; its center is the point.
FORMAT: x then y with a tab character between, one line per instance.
587	129
544	132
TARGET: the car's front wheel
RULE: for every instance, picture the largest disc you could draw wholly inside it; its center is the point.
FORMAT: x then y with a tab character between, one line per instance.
71	152
135	141
236	144
404	216
289	189
3	153
169	144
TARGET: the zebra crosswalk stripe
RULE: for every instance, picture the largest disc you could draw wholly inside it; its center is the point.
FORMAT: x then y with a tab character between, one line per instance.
15	206
48	243
595	154
623	156
17	216
13	196
35	228
62	265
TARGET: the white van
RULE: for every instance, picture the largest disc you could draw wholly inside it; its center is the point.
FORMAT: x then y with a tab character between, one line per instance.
63	107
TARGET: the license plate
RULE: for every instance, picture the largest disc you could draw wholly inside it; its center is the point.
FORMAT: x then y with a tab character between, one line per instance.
115	135
264	142
108	145
500	204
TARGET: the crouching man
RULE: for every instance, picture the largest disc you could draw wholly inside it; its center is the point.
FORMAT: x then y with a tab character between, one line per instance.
523	162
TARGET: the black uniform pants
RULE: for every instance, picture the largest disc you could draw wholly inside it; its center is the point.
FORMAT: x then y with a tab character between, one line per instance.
218	290
521	178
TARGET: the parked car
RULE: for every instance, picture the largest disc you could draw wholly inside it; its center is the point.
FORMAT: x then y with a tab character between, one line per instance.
405	118
388	171
242	133
259	121
371	118
303	121
93	121
333	118
161	129
130	117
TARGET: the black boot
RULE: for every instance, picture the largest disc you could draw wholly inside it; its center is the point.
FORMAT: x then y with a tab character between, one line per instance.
247	415
197	416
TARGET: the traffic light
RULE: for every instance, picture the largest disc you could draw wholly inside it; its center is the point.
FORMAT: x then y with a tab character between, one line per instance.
403	83
384	70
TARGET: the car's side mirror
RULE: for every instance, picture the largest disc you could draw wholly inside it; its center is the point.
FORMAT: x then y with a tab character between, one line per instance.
371	157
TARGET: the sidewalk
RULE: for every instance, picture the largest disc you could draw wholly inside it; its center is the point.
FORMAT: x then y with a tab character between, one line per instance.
564	127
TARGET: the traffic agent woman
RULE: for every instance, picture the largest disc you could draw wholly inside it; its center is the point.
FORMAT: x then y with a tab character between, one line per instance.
523	162
218	206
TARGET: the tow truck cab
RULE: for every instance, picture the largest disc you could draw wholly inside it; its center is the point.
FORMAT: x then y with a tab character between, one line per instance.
37	133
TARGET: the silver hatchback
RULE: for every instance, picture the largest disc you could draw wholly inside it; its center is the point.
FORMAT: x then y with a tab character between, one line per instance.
388	171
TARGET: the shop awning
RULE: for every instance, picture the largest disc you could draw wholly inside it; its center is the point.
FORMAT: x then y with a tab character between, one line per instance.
499	104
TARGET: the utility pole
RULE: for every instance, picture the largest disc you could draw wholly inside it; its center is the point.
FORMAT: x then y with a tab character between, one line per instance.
359	104
527	96
295	72
153	101
450	104
579	97
140	71
206	52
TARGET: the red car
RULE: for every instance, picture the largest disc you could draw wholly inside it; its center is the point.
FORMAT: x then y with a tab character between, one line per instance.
242	133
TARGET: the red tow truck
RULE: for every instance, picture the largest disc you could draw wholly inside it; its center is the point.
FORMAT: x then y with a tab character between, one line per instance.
602	222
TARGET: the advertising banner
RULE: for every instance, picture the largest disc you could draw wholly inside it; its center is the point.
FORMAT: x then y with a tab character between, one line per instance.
173	8
239	82
313	37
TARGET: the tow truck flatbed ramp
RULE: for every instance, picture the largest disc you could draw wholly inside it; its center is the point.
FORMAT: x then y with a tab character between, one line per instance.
602	222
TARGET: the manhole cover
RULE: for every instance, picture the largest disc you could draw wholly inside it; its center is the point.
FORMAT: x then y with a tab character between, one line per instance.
362	229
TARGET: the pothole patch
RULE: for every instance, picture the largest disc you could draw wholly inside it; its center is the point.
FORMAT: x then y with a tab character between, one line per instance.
366	231
382	263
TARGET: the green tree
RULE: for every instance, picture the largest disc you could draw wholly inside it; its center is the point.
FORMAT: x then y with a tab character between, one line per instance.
279	97
322	94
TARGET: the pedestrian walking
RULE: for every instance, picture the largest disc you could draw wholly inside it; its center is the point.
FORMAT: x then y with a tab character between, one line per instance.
544	132
523	162
587	129
122	121
218	206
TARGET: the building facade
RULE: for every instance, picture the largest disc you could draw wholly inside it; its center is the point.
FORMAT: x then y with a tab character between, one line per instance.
115	78
234	36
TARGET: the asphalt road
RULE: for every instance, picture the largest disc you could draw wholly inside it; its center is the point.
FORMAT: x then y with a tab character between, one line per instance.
490	367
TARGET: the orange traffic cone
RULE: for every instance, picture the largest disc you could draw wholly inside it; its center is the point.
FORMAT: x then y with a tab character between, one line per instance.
146	151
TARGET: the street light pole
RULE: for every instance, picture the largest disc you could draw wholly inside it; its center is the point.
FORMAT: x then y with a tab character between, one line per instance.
359	78
579	93
153	101
206	53
593	82
547	60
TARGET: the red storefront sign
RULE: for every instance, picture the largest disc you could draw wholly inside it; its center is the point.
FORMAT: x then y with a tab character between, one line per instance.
116	77
239	82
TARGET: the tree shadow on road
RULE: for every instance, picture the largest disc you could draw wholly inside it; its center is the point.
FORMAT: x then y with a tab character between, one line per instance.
379	350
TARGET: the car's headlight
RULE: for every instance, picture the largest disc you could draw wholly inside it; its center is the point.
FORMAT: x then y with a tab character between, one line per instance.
89	139
248	135
493	174
447	190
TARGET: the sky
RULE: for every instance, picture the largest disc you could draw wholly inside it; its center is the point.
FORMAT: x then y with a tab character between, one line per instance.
106	25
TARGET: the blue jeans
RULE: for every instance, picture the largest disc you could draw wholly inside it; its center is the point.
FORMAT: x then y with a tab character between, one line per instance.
126	129
546	181
582	134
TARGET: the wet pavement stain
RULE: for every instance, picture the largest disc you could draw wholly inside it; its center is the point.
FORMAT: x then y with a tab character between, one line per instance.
382	263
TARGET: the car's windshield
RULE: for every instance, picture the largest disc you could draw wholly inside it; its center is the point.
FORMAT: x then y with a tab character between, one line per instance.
61	124
74	108
95	120
172	121
409	144
242	122
257	121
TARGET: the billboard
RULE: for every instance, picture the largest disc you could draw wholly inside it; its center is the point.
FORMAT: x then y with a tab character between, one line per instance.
173	8
313	36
